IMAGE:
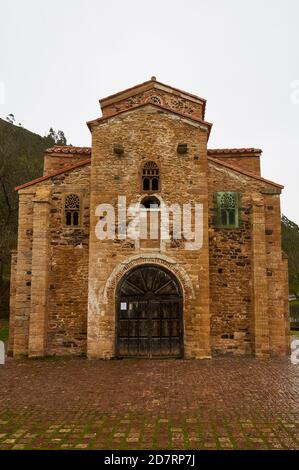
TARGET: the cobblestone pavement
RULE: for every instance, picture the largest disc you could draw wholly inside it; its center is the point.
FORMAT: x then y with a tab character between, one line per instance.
223	403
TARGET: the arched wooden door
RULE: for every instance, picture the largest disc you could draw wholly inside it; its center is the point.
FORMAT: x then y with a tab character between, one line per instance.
149	314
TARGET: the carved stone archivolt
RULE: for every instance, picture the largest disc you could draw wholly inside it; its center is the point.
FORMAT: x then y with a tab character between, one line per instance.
155	259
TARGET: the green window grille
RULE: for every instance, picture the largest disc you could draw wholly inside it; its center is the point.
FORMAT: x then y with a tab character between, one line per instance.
227	209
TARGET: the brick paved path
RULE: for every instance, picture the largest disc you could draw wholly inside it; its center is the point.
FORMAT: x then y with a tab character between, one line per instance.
225	403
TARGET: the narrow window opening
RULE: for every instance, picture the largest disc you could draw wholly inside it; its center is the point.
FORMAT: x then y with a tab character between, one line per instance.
146	184
223	217
227	209
150	177
68	218
76	218
155	184
72	210
232	218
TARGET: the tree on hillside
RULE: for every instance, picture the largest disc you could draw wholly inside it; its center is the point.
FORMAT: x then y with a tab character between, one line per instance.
58	137
10	118
290	245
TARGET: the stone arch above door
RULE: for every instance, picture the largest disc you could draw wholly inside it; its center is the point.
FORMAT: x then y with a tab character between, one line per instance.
155	259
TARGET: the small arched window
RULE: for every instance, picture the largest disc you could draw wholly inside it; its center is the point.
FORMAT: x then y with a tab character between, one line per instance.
146	184
155	184
150	177
227	209
72	210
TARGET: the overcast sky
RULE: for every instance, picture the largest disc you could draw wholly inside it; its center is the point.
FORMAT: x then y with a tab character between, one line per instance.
58	57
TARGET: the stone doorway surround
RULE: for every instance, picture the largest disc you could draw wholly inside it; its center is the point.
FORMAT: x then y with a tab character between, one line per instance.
102	307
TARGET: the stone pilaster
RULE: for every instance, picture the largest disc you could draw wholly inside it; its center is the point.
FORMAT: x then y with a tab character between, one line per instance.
203	299
277	279
286	306
23	274
12	302
260	320
40	268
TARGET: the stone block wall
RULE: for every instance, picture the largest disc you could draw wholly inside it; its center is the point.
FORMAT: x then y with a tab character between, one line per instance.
22	273
12	302
248	285
68	274
64	279
250	163
54	162
235	294
277	279
230	278
147	134
50	276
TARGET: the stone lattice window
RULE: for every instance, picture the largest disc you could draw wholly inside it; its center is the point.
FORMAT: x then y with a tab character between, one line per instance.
227	209
150	177
72	210
155	100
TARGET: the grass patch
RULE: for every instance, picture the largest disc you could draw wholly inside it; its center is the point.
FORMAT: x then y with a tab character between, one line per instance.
3	329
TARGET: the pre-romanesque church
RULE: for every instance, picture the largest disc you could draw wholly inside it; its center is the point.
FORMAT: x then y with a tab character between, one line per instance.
74	292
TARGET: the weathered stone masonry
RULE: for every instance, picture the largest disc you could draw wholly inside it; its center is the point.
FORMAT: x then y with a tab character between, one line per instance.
65	280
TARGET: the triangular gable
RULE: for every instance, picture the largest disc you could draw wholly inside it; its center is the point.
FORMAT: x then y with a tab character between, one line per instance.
243	172
157	93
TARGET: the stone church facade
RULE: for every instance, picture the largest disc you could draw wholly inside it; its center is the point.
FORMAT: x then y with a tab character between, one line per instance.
75	293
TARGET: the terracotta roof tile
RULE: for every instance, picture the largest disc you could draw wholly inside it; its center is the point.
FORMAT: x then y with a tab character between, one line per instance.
69	149
233	150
